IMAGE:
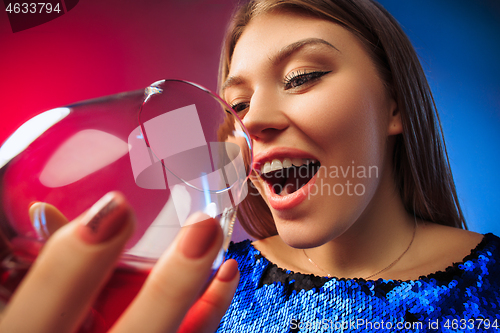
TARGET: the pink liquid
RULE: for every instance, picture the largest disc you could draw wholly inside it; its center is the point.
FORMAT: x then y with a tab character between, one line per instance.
115	297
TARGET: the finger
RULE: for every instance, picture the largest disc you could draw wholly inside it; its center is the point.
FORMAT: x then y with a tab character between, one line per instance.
176	280
70	270
46	219
205	315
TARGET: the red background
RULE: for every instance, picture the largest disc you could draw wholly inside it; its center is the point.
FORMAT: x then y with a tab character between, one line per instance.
105	47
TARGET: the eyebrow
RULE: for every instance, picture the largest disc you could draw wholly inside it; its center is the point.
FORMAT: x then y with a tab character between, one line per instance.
282	54
288	50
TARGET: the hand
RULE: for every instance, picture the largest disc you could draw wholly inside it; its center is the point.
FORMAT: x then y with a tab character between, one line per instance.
79	257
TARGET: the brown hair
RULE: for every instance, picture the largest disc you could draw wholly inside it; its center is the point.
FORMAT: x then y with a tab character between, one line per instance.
420	161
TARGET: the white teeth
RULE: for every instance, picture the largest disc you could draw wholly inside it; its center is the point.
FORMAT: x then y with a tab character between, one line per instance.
266	168
287	163
276	164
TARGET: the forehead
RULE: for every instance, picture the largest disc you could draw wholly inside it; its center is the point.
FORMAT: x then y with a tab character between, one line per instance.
269	33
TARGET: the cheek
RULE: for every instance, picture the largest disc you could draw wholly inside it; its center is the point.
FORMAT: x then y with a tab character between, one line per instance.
345	118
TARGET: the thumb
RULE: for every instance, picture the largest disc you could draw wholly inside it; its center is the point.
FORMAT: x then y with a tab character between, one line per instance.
46	219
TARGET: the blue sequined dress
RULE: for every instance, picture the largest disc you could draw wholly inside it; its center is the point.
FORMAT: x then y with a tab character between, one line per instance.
463	298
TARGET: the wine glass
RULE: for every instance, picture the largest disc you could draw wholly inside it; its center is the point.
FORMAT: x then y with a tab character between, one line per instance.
172	149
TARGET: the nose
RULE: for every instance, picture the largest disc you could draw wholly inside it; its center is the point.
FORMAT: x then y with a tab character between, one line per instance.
264	119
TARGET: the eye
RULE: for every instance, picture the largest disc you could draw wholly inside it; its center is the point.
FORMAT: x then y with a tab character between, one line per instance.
298	78
240	107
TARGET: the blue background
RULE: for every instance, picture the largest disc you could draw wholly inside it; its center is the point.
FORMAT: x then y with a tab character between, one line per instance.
458	42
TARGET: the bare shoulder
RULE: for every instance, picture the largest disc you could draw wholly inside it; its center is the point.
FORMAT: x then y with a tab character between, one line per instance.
275	250
437	247
269	247
263	243
445	239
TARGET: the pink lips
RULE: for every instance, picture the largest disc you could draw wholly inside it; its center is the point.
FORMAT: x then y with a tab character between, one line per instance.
289	201
294	199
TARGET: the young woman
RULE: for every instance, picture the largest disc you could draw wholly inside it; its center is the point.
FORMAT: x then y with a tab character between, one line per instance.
354	208
352	201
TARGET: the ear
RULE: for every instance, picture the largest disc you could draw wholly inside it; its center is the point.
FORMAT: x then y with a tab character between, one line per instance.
394	124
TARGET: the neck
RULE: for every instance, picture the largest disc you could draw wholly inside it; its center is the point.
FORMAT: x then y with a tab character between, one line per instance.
375	242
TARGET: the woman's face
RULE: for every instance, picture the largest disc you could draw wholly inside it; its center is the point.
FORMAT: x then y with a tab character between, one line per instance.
310	95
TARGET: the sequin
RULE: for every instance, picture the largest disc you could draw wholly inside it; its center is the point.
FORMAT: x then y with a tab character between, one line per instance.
463	298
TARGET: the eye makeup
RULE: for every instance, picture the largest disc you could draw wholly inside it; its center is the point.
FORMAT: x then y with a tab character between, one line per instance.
298	78
311	59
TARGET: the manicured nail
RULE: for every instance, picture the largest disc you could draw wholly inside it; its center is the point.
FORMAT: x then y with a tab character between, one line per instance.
46	219
199	237
105	219
39	219
227	271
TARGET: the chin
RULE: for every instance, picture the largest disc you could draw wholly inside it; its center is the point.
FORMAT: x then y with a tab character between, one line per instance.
305	235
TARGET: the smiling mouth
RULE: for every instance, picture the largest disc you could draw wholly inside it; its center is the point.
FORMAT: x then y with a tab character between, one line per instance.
289	175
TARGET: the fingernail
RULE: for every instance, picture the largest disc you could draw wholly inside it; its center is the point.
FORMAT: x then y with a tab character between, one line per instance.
39	220
199	236
104	219
228	271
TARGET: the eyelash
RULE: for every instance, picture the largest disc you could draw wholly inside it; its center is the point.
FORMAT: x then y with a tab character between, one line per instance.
291	81
235	107
298	78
